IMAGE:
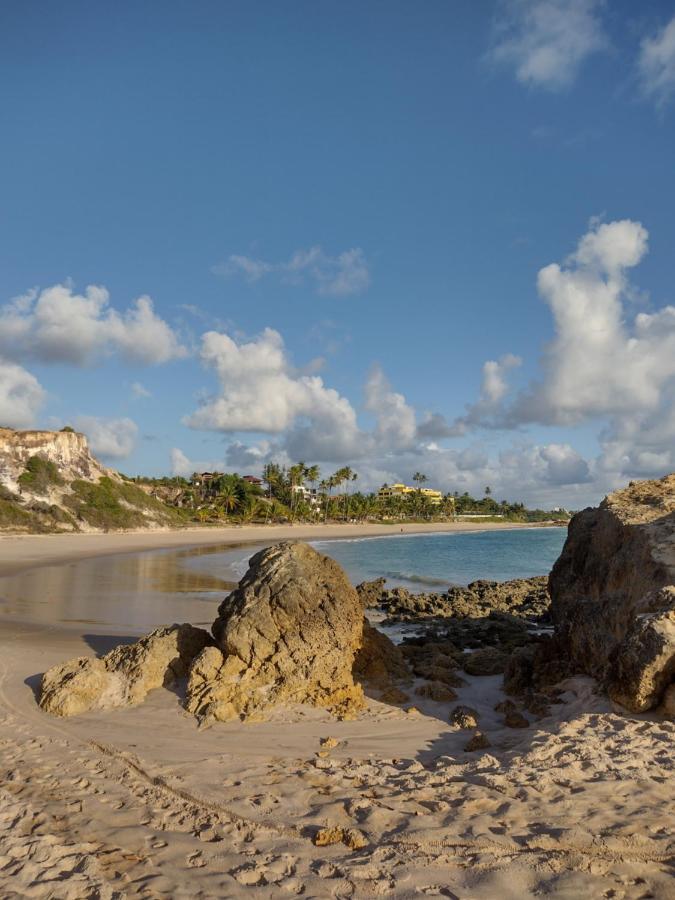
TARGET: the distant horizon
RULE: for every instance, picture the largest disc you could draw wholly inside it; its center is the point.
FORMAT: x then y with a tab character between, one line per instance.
389	237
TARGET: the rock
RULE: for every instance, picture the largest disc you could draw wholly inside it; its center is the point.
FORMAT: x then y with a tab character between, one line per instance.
538	665
370	592
643	665
478	742
515	719
124	676
464	717
505	706
379	662
488	661
394	695
612	590
667	708
288	634
525	598
350	837
436	690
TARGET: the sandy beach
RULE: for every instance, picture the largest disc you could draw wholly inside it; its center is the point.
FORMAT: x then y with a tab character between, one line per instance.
22	551
139	802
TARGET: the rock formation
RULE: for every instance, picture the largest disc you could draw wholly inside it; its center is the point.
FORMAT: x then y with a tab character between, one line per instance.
613	600
526	598
288	633
379	662
124	676
68	450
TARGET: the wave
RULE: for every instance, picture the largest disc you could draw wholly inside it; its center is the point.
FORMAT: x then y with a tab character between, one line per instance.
418	579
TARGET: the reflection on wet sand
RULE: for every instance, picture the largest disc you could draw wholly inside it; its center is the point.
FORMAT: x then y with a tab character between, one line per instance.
130	592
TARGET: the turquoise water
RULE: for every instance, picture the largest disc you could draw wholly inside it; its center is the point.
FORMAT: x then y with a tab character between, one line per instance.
426	562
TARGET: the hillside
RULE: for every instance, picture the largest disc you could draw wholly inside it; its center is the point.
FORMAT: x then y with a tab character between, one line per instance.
50	481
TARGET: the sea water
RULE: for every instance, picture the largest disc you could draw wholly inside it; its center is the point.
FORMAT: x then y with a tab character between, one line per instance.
428	562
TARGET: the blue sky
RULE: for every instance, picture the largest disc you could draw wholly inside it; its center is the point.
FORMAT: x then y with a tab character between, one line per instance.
354	201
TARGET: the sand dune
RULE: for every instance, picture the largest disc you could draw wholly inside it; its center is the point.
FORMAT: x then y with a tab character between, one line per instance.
139	803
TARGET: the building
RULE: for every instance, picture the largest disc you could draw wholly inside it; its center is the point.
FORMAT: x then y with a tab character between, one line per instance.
251	479
387	491
306	494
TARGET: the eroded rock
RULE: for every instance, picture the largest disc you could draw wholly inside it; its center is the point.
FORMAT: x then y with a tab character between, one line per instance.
288	633
379	662
124	676
612	592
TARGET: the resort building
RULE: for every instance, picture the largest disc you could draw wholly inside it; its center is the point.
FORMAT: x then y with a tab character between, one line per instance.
308	495
387	491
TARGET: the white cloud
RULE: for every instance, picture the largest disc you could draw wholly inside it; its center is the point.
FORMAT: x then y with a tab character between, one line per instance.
180	464
656	65
139	391
109	438
59	325
261	392
338	276
21	396
546	41
606	363
395	419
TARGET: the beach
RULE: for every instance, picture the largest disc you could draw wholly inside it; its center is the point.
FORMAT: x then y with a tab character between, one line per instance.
141	802
21	551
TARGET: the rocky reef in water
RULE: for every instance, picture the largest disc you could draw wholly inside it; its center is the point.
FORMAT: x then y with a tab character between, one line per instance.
526	598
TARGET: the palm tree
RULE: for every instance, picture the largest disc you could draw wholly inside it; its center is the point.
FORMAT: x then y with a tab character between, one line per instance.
230	497
420	478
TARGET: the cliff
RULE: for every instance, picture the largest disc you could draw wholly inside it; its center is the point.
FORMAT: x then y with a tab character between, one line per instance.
68	450
50	481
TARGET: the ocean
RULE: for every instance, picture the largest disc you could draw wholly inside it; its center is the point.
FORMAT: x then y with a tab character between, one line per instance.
428	562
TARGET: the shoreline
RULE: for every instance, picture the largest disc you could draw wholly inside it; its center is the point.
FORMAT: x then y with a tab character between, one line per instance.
20	552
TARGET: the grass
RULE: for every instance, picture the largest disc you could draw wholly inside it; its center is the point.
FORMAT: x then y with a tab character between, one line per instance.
39	475
112	505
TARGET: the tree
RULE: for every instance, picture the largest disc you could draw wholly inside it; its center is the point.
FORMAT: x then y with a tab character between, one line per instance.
488	490
421	479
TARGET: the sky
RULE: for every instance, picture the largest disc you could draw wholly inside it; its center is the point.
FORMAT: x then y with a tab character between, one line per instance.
398	236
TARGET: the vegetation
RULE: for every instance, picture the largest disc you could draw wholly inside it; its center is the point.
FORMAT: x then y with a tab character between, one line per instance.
39	475
298	493
112	505
68	429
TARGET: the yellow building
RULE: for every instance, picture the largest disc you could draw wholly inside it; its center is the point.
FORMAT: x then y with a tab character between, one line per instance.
387	491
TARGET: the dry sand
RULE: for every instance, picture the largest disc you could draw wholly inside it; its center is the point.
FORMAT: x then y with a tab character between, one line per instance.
140	803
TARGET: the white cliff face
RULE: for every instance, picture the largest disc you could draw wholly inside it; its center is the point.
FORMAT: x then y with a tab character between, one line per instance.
69	450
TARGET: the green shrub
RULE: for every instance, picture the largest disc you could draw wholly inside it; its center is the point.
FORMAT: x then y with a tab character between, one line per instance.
39	475
68	429
112	505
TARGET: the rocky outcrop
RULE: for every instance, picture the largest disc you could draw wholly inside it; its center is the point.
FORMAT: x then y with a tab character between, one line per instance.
526	598
379	662
124	676
370	592
288	633
612	616
68	450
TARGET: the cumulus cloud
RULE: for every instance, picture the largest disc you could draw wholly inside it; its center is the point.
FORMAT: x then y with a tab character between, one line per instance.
607	364
546	41
21	396
338	276
180	464
58	325
109	438
395	426
261	392
656	64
